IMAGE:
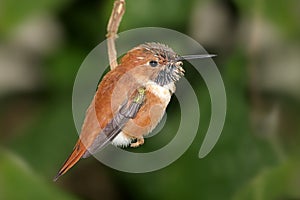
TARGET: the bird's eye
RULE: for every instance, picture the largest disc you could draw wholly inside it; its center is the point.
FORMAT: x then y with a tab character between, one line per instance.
153	63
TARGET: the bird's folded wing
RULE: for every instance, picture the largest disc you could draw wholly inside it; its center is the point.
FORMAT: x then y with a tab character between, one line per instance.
127	111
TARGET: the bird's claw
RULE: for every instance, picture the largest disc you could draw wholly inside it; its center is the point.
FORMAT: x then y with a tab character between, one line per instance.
139	142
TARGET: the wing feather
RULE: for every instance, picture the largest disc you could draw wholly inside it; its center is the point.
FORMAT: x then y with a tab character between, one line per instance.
128	111
104	117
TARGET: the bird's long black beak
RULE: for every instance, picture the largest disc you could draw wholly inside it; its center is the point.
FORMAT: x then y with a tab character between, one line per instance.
191	57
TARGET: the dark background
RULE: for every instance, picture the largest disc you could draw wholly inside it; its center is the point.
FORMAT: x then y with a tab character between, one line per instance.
42	44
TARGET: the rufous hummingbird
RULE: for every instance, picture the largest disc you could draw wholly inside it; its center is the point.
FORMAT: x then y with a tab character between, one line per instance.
130	101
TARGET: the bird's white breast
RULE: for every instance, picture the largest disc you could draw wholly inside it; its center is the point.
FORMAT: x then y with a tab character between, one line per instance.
121	140
164	93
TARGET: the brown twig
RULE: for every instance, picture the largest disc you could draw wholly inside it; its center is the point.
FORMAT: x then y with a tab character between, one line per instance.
112	30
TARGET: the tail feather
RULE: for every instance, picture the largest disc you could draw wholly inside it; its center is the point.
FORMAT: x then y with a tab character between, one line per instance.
77	153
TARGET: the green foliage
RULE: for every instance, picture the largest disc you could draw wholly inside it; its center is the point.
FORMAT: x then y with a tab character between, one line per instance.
18	181
280	182
13	12
243	165
284	14
157	13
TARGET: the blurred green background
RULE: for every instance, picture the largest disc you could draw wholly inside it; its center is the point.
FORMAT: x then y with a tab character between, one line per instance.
42	44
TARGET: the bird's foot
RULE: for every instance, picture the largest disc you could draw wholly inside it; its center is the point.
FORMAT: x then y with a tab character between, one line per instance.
139	142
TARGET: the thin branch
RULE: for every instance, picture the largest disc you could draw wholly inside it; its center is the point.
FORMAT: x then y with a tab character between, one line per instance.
112	30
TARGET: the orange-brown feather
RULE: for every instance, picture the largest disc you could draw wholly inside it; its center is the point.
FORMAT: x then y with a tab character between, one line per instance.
77	153
116	86
99	113
147	118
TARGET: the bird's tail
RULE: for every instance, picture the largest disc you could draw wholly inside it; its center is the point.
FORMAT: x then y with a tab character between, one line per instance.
77	153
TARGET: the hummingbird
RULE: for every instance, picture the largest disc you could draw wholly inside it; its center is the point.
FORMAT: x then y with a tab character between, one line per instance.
130	100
